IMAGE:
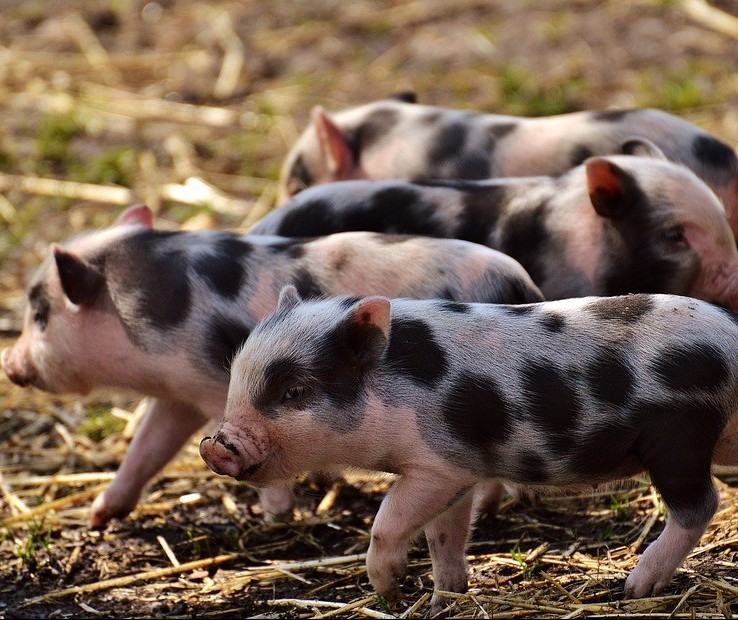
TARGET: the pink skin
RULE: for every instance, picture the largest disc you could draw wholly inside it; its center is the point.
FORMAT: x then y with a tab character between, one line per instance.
659	562
447	538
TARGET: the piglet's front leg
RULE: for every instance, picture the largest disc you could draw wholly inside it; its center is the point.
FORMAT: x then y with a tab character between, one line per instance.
165	428
410	505
447	536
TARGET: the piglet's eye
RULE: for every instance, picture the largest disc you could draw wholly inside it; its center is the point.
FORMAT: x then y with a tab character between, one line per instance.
674	235
293	392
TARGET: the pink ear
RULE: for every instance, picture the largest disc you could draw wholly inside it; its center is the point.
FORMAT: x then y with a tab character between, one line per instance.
373	312
338	161
367	330
605	186
139	215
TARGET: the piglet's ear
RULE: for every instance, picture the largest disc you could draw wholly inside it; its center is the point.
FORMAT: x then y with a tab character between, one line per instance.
367	330
406	96
80	281
139	215
288	298
337	160
642	148
611	189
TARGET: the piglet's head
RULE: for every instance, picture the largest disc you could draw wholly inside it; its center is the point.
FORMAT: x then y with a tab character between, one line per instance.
66	331
667	222
323	154
302	373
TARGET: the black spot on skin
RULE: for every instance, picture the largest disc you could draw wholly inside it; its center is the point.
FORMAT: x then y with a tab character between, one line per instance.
579	154
278	376
476	412
610	378
448	142
552	402
713	153
453	154
607	451
512	290
675	445
150	270
311	218
399	209
552	322
610	116
375	127
222	269
222	339
482	206
453	306
500	130
306	285
626	308
688	367
40	305
524	236
531	468
414	352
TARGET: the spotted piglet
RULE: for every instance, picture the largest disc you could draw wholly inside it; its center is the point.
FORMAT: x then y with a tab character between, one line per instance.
393	139
162	313
614	225
449	395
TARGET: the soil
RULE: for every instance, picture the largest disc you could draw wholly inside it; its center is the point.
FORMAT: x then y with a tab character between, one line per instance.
142	96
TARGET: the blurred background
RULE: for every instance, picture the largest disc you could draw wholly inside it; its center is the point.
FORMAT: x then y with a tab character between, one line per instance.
191	106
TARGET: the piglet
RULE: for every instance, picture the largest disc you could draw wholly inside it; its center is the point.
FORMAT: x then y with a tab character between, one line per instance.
394	139
614	225
162	313
450	395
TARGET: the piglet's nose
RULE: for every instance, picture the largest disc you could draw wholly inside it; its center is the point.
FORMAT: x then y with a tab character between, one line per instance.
14	371
221	456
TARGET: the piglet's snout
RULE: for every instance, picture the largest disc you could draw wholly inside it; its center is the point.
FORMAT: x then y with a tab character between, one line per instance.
229	455
18	373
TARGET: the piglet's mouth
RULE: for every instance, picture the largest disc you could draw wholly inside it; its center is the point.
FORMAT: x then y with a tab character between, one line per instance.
247	473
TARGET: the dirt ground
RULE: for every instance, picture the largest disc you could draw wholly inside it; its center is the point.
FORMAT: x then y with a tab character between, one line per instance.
191	107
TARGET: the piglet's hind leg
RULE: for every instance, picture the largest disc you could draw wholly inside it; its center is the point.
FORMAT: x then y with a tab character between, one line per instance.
686	487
